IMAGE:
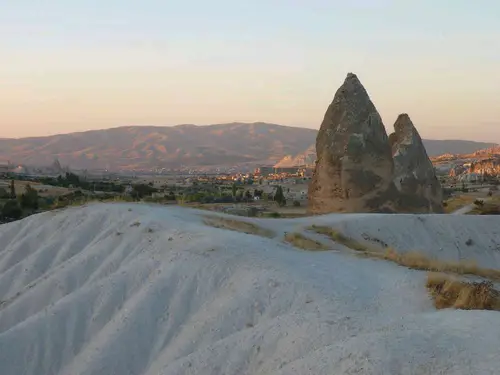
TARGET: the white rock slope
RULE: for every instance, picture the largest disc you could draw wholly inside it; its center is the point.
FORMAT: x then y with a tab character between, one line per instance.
130	289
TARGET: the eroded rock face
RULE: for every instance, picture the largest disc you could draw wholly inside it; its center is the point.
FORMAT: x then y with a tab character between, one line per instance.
354	167
414	174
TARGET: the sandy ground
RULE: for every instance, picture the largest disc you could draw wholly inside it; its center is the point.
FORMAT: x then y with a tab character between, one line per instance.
137	289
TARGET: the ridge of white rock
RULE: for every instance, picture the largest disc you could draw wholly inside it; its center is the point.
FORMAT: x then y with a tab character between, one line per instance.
137	289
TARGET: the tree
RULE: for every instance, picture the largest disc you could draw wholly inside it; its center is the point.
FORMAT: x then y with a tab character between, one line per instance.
11	210
4	194
248	195
279	197
12	190
140	191
233	189
29	199
258	193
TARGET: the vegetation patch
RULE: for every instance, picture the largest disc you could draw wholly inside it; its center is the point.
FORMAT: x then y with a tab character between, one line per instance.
488	208
237	226
419	261
303	242
449	292
457	202
340	238
412	259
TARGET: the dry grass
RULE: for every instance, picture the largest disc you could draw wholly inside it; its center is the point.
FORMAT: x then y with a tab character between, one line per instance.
340	238
418	261
237	226
413	259
449	292
487	208
303	242
458	202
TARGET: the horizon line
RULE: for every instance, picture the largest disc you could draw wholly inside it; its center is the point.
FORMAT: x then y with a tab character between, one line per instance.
207	125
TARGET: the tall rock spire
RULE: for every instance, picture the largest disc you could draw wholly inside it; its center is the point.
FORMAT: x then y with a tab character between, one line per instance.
354	166
414	174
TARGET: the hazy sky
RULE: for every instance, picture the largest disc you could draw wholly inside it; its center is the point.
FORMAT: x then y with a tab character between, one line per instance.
71	65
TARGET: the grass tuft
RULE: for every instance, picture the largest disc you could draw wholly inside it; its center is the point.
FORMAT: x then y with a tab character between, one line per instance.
237	226
418	261
413	259
449	292
303	242
340	238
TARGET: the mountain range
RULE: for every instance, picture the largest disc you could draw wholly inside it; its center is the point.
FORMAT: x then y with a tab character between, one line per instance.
148	147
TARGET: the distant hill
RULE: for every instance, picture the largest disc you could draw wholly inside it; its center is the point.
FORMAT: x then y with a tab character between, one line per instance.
145	147
440	147
433	147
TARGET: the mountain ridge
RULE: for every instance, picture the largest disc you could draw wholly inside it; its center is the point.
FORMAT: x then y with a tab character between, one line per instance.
184	145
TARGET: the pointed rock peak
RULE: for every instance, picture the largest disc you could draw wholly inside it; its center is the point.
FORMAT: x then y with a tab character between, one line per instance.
351	76
404	131
403	123
354	161
414	174
351	84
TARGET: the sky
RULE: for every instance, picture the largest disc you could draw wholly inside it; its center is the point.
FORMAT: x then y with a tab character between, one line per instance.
91	64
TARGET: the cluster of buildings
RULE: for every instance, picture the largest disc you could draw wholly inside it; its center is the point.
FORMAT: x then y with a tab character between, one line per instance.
273	171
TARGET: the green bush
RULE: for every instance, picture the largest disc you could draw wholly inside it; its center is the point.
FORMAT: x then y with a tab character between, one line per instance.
29	199
4	194
11	210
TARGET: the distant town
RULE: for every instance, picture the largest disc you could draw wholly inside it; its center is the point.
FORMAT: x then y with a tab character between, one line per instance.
269	190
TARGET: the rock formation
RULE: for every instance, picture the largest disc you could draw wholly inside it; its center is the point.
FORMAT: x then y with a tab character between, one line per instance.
414	174
360	169
354	166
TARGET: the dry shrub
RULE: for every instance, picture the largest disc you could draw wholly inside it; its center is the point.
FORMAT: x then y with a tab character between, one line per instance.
303	242
449	292
237	226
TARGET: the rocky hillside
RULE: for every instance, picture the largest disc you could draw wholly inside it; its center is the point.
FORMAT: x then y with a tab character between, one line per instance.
145	147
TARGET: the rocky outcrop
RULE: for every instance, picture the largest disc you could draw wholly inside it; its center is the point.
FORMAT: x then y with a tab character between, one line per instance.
354	166
360	169
414	174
